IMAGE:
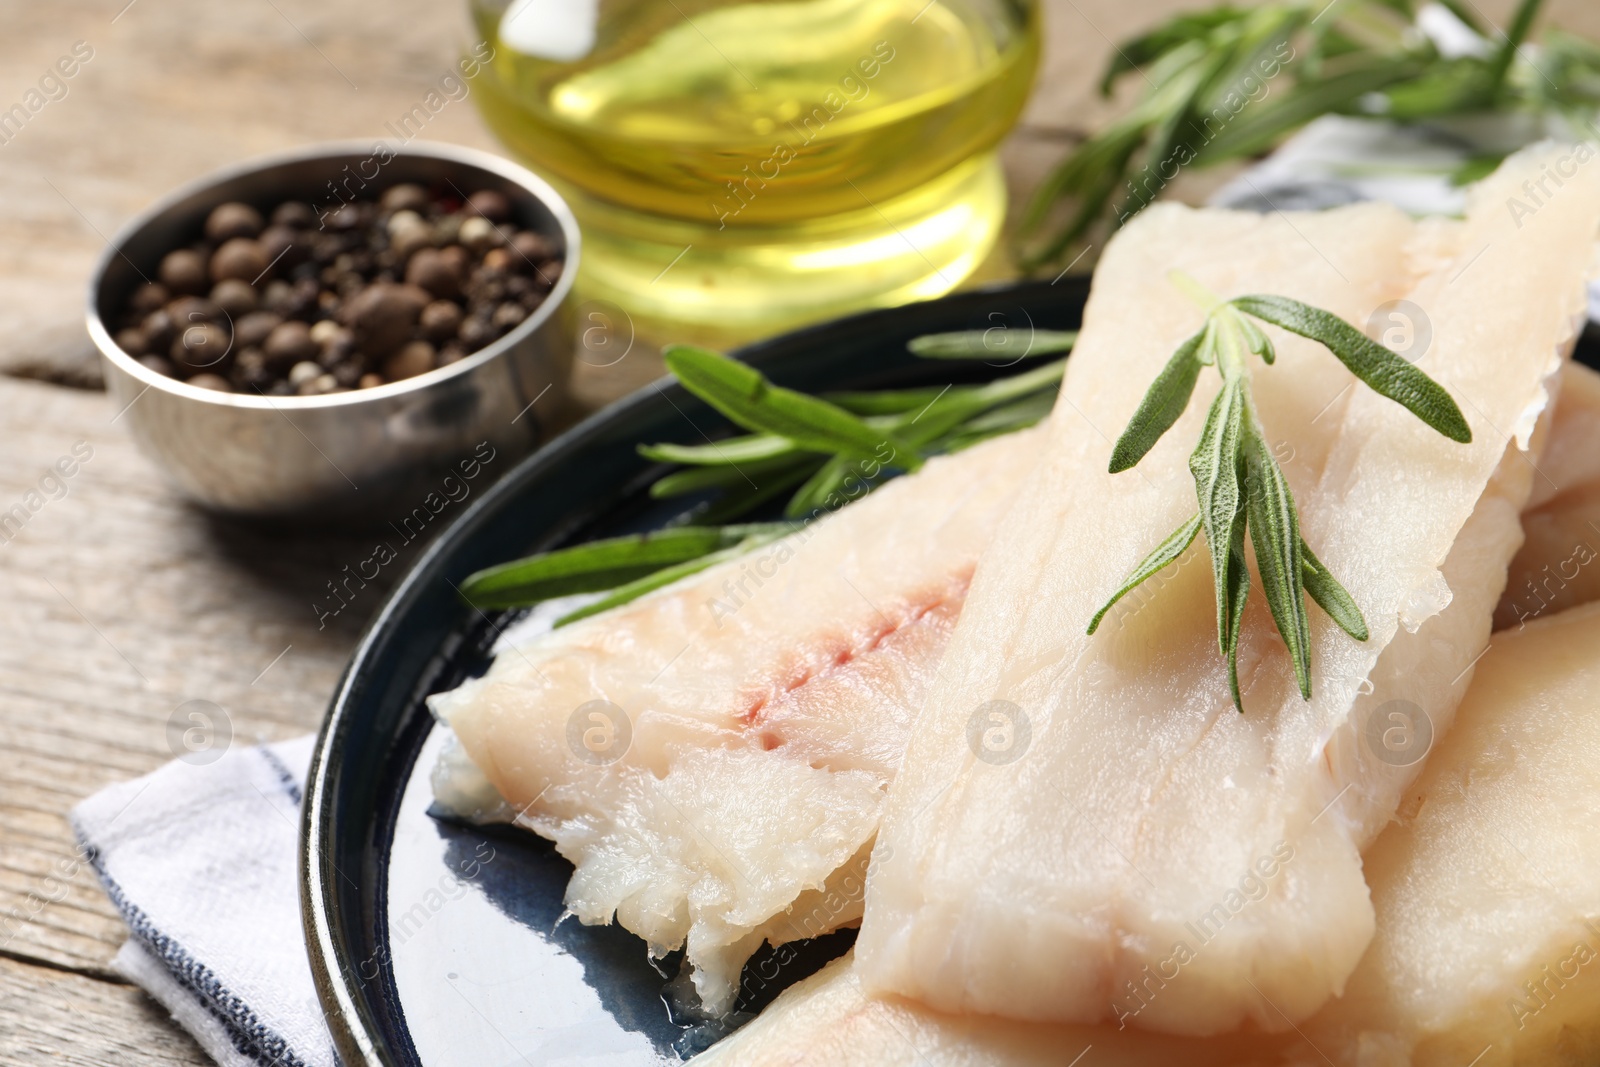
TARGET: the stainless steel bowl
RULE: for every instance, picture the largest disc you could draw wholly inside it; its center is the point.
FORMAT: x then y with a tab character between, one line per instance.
369	454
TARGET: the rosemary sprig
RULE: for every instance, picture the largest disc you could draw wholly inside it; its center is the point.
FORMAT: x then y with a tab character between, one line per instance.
599	565
1238	483
810	446
1229	82
987	344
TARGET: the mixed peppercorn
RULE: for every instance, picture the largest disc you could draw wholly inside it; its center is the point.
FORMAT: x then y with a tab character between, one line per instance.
290	303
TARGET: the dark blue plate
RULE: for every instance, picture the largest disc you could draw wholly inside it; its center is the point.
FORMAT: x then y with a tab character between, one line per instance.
435	943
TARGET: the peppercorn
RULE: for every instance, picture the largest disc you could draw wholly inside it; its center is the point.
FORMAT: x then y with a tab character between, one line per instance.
294	214
148	297
251	330
283	247
383	316
531	248
440	320
479	234
232	220
234	297
199	347
404	197
132	341
491	204
183	271
239	257
290	343
414	359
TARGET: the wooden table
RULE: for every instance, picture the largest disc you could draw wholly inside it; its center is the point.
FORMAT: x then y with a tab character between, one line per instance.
122	602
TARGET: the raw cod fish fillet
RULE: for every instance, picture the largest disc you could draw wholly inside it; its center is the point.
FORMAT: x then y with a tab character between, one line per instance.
1555	568
768	699
826	1021
1148	854
1486	889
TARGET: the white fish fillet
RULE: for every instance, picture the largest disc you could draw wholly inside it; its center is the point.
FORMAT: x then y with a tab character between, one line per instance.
1556	568
1153	855
826	1021
768	698
1488	888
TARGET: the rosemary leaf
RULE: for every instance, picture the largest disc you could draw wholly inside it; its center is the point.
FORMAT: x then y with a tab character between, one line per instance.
887	401
637	588
1152	45
597	565
1330	596
956	408
754	472
1162	405
1166	552
1090	175
1238	594
979	344
1263	35
745	396
1029	411
1215	467
829	479
1171	133
1275	534
748	449
1384	372
1257	129
1511	41
1257	341
742	499
1476	168
1017	415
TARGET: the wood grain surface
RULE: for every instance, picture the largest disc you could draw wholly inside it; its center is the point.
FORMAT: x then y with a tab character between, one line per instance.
122	601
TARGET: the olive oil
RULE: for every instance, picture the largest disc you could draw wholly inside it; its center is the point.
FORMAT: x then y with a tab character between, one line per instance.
747	166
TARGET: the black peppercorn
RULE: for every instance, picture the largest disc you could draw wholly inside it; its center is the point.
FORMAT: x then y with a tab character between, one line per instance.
232	220
183	271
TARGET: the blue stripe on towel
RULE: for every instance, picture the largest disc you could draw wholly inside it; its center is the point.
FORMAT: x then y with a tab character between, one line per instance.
287	780
250	1035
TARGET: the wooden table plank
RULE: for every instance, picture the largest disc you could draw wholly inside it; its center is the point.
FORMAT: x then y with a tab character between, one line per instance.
58	1018
124	602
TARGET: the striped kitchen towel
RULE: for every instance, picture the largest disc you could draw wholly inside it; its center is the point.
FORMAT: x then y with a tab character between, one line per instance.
201	859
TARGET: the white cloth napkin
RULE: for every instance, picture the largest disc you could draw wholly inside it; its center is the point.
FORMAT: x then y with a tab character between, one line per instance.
201	860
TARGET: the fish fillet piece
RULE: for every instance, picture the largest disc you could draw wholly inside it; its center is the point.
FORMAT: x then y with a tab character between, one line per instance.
1487	889
826	1021
1554	570
1148	854
768	700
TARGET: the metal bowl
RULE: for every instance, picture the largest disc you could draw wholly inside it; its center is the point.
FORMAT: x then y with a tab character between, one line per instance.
365	455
